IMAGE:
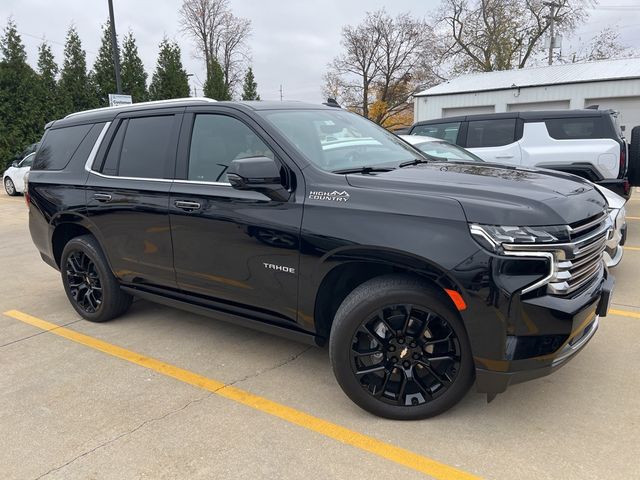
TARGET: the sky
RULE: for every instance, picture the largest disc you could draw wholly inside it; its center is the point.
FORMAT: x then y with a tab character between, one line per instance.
291	44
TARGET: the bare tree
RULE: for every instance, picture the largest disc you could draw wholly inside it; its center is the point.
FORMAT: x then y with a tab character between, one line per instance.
218	35
487	35
231	49
382	65
604	45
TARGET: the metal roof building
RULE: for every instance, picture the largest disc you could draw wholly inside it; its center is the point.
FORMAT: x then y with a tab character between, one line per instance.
611	84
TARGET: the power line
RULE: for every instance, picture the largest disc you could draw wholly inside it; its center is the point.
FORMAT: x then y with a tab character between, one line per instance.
42	38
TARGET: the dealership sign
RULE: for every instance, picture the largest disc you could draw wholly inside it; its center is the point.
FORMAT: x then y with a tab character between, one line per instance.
116	99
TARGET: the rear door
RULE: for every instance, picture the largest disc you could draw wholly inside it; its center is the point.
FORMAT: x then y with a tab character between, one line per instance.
494	140
239	249
128	196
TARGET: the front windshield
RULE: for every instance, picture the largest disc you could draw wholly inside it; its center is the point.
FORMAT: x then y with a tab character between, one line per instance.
446	150
338	140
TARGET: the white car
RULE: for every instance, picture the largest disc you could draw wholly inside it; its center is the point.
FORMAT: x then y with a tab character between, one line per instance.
13	177
613	251
437	147
588	143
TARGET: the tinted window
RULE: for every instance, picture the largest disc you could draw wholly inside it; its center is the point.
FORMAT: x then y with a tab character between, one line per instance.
58	146
576	128
145	148
445	131
216	141
491	133
111	161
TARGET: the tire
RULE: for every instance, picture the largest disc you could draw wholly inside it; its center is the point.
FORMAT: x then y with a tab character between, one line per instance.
434	330
633	172
10	187
89	283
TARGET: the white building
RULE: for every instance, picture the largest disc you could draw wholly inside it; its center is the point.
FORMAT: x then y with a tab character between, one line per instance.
613	84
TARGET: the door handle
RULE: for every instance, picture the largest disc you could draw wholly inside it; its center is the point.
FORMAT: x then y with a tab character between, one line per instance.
504	156
187	206
102	197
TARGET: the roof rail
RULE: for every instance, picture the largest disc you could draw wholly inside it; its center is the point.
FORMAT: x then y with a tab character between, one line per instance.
156	102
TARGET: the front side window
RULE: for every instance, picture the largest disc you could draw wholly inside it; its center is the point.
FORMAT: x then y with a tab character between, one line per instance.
28	161
336	140
445	131
491	133
216	141
145	147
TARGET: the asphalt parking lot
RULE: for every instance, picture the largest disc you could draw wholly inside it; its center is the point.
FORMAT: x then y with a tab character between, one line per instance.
161	393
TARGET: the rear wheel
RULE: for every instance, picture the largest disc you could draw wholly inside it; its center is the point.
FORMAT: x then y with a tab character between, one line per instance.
88	282
399	350
633	173
9	187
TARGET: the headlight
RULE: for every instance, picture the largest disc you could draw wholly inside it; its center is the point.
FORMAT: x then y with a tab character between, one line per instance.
621	217
493	236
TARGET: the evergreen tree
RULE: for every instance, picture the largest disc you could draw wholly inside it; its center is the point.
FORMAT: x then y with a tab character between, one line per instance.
250	87
75	85
134	78
170	79
104	76
48	86
214	86
20	117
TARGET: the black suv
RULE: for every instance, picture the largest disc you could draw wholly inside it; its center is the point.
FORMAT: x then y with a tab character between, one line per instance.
313	222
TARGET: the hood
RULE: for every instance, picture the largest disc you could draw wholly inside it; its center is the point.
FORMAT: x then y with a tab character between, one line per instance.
496	194
613	199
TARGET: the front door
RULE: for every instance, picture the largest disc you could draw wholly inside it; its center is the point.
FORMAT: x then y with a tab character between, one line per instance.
237	248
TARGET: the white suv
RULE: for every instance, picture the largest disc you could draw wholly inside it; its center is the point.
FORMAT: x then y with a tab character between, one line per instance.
588	143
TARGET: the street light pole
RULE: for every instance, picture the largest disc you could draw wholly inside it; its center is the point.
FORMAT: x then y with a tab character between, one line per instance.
114	47
552	21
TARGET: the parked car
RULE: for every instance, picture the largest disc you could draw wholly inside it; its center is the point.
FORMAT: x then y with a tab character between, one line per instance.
438	148
413	271
614	249
13	177
588	143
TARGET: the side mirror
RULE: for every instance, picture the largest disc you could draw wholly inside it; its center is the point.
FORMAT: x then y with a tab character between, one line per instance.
261	174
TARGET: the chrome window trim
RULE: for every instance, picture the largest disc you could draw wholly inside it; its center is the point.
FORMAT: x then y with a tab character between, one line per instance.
94	150
203	182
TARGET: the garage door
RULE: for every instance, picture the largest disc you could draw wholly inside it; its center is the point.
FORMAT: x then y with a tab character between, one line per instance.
454	112
537	106
629	108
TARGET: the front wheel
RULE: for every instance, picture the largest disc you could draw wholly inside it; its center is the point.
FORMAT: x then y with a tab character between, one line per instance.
10	187
399	350
89	283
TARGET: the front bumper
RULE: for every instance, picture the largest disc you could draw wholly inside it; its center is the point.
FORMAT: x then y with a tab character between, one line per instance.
516	337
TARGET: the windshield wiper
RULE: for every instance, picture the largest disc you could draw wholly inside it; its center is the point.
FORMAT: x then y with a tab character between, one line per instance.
365	170
418	161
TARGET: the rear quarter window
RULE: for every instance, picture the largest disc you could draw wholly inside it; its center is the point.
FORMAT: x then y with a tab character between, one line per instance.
577	128
58	146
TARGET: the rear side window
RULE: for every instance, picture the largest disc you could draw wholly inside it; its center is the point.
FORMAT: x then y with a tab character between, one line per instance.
145	147
58	146
491	133
445	131
577	128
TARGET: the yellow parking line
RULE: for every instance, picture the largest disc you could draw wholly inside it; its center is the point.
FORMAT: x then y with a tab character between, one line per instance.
369	444
624	313
632	218
632	248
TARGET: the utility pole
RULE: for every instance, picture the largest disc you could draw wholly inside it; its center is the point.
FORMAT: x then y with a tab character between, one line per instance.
114	47
552	21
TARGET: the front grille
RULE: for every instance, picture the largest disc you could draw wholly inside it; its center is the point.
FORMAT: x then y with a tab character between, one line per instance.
576	263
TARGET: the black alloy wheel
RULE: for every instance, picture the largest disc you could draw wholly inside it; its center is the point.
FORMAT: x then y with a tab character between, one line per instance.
399	348
405	355
84	281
